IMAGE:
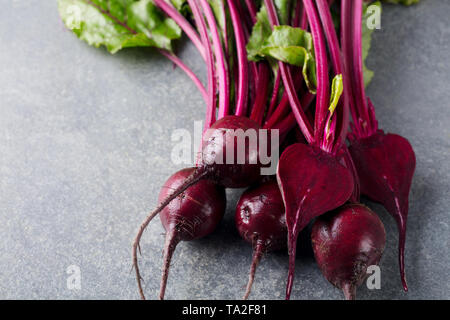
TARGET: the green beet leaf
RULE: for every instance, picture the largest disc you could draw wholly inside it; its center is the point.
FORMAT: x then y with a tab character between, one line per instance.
286	44
118	24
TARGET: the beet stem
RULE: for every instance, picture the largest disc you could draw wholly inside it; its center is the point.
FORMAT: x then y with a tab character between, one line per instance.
242	88
347	52
262	87
286	76
349	291
196	176
360	93
322	97
221	65
257	255
169	248
252	9
211	102
338	64
273	100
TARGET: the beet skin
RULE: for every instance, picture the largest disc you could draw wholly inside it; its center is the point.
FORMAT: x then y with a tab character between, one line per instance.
346	242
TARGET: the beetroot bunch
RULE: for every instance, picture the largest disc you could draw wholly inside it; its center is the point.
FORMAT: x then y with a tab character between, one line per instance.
289	75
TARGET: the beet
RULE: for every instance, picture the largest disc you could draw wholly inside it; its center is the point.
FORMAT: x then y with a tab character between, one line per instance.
346	242
312	182
216	144
193	214
385	164
260	219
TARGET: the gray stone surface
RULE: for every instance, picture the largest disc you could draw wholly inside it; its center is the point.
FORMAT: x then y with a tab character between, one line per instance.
84	148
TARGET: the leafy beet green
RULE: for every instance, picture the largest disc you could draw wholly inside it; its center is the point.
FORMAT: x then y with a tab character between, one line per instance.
290	45
119	24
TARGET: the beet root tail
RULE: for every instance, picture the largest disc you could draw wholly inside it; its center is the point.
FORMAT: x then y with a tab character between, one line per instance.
292	253
401	224
257	254
349	291
169	248
196	176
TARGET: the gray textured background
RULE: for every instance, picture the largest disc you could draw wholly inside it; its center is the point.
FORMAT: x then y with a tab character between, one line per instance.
84	149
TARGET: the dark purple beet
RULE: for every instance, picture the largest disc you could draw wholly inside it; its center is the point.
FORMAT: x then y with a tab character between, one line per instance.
312	182
260	219
385	164
215	146
346	242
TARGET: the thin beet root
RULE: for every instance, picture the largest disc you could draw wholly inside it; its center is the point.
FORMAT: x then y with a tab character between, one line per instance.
385	164
189	215
260	220
346	242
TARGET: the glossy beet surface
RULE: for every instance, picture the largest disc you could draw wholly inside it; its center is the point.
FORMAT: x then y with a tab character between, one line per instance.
385	164
312	182
346	242
260	219
260	216
196	212
219	140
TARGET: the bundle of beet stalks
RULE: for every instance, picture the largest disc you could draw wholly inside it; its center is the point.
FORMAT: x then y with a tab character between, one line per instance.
283	77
